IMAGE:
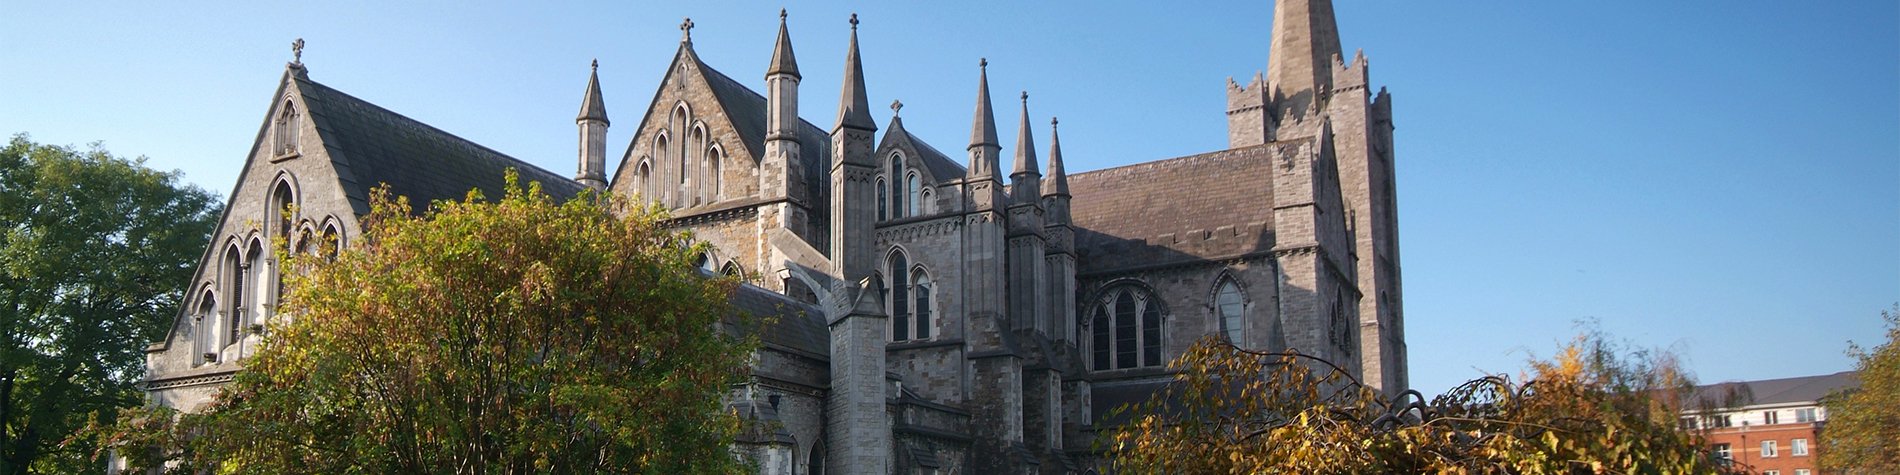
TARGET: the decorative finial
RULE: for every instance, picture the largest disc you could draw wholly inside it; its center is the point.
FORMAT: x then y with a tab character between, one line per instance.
1025	97
296	51
596	64
781	14
896	106
1053	122
854	22
983	63
686	29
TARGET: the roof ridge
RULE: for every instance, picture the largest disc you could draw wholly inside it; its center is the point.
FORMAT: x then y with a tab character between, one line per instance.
431	128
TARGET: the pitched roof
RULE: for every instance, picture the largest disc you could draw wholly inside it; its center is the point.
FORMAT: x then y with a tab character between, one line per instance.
1192	208
369	145
799	326
1804	389
940	166
747	109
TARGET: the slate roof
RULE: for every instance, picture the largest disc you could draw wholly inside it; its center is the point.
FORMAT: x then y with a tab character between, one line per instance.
1805	389
747	109
370	145
1186	209
800	327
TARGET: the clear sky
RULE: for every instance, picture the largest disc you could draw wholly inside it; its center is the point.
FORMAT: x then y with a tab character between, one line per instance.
1720	178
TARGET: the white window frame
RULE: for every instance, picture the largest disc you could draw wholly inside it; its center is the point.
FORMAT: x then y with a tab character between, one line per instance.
1770	449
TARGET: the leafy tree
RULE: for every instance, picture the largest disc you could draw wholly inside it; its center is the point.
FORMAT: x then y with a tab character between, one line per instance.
93	252
1863	425
521	336
1593	408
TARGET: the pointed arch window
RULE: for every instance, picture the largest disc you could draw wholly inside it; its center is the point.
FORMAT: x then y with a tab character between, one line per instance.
883	195
1230	309
284	139
912	189
704	262
282	208
643	179
331	242
897	197
258	268
1125	329
207	315
731	269
921	293
233	277
926	204
899	297
713	157
1342	329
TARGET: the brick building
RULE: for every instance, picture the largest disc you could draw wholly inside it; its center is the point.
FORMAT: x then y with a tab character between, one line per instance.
937	314
1770	426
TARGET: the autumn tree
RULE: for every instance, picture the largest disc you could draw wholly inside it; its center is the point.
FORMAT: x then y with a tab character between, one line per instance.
1595	407
94	250
1863	424
520	336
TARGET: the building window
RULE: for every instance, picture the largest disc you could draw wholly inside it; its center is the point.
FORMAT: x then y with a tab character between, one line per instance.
1806	414
704	262
1800	447
1720	421
1771	472
897	198
1229	309
332	242
1769	449
926	205
1800	471
207	323
1126	329
920	301
912	188
1770	417
899	296
883	197
285	138
235	271
731	269
1689	423
1342	331
713	157
1723	453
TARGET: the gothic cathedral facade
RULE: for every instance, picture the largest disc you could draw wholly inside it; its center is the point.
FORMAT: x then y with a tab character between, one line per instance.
936	315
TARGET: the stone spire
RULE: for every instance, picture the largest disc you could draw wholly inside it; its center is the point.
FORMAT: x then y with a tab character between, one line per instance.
593	107
593	130
1057	182
1026	182
854	110
983	130
1305	40
782	61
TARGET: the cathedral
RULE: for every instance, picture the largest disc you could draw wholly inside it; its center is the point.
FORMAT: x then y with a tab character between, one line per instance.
936	314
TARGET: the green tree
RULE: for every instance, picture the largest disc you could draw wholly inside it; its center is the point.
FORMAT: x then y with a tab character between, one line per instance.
520	336
1863	425
94	250
1595	407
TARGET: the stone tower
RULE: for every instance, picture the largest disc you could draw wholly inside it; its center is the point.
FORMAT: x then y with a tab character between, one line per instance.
780	179
860	434
593	127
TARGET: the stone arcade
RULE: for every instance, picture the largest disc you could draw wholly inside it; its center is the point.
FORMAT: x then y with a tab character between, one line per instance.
937	315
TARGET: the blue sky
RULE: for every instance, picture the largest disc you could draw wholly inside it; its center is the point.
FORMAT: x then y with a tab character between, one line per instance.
1719	178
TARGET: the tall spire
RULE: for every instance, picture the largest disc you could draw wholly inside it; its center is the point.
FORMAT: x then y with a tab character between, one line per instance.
854	110
593	107
983	130
782	61
1305	40
1058	181
1025	144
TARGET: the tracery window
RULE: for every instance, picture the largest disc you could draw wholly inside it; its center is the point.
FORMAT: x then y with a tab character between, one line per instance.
898	303
731	269
1230	310
1125	328
1342	331
920	301
883	195
234	273
713	157
897	197
284	140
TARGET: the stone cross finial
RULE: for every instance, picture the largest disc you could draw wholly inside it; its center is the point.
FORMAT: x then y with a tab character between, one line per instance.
686	29
983	63
854	22
1053	122
896	106
596	64
781	14
1025	97
296	51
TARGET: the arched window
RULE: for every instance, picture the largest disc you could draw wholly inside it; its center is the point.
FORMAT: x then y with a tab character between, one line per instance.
643	180
704	262
897	197
731	269
207	323
926	205
1125	327
883	194
282	202
262	282
1229	309
912	189
815	461
288	121
690	161
899	301
664	145
713	157
233	276
920	301
797	290
331	244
